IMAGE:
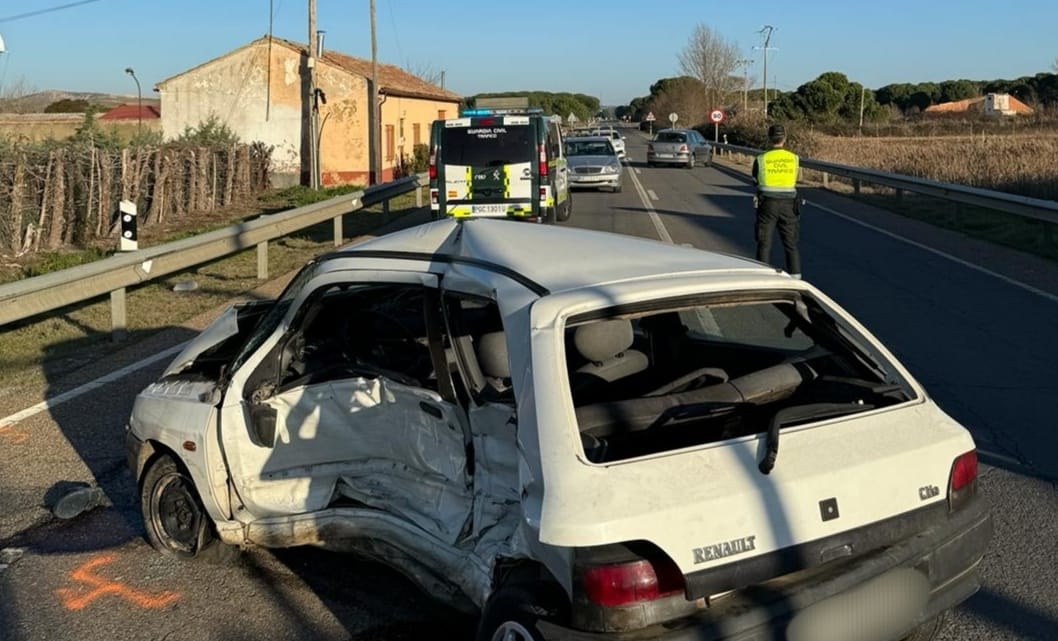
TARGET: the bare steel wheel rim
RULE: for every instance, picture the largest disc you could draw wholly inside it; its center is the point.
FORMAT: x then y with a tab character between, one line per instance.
175	515
511	631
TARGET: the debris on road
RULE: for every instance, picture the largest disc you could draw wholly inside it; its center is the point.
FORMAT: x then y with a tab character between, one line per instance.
79	501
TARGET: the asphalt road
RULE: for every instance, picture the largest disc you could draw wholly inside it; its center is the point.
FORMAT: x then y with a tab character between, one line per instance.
974	323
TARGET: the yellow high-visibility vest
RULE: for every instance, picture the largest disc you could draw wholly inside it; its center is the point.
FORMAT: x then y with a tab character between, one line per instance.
777	172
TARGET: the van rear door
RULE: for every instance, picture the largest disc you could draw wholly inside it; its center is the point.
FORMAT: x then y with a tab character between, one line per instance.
485	166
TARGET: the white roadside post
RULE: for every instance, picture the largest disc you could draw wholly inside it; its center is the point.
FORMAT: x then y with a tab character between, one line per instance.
129	241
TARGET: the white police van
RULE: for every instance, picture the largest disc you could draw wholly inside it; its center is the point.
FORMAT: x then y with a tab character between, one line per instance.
499	162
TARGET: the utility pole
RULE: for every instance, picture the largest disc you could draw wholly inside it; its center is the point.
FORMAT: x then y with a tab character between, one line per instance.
310	98
863	92
375	135
766	32
745	63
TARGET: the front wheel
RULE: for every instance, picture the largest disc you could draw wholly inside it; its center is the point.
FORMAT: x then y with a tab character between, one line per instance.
173	515
513	613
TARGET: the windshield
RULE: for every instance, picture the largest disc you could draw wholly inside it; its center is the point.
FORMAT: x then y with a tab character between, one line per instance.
589	148
487	146
660	377
270	321
671	136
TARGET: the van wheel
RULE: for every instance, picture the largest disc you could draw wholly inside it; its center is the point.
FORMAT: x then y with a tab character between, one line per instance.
567	211
173	515
617	189
513	612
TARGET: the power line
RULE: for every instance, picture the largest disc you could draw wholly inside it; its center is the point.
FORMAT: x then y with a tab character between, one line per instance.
38	12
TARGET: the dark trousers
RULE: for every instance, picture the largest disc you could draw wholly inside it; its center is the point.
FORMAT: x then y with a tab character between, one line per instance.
781	213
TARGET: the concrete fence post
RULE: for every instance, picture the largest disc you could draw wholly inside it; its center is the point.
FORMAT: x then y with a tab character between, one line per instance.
262	261
118	323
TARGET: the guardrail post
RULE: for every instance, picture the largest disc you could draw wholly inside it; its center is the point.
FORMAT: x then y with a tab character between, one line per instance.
418	196
826	180
900	196
856	184
262	260
385	207
339	232
118	324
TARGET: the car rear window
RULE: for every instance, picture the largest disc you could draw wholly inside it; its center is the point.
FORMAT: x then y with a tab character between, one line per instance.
671	136
663	377
487	145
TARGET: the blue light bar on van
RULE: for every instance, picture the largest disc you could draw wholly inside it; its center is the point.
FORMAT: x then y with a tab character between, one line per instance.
501	112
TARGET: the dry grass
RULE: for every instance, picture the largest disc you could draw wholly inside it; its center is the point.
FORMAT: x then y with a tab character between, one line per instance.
67	340
61	128
1017	164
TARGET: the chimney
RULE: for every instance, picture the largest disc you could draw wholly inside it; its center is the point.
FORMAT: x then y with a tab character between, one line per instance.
319	43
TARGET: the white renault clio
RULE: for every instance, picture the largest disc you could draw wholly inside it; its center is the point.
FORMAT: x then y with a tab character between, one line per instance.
579	435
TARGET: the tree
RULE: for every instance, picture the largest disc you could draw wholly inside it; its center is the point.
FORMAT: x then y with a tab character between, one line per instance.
713	61
684	96
67	106
428	73
11	95
955	90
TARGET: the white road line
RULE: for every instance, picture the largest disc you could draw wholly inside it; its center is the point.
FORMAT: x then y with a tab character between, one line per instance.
654	218
937	252
89	386
636	169
653	196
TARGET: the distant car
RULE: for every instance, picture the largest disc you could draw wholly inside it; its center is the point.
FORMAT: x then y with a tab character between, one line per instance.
685	147
578	434
615	136
593	162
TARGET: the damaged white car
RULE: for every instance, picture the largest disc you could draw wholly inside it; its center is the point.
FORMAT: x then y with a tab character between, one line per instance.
579	435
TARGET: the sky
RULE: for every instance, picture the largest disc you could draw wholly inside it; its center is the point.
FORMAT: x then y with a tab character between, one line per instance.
613	50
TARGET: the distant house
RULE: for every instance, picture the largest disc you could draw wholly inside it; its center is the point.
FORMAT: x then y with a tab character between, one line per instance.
257	90
131	113
993	104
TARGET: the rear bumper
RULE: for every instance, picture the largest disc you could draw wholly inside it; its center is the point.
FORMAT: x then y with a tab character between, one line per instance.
671	159
948	555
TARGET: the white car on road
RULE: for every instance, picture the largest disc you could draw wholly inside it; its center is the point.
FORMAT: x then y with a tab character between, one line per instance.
615	136
576	434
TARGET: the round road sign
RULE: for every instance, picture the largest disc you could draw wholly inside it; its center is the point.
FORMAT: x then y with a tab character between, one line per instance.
673	117
716	116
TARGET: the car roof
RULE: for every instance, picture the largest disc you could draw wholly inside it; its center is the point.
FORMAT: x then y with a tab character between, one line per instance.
588	138
549	258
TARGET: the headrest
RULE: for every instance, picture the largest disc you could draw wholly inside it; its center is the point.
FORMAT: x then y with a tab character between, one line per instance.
602	340
492	355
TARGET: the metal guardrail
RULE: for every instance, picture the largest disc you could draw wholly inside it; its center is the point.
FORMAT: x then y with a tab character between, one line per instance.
1036	208
27	298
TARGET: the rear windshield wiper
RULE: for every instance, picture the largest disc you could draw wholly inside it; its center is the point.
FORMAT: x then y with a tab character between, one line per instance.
799	413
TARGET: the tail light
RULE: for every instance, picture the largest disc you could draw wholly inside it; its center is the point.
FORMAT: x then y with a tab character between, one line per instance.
542	158
962	482
433	163
684	149
634	582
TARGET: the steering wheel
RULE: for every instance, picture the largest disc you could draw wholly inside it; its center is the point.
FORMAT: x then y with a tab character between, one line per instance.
379	340
691	380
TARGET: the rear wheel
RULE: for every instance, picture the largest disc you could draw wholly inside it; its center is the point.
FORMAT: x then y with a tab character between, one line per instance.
567	209
691	162
173	515
514	612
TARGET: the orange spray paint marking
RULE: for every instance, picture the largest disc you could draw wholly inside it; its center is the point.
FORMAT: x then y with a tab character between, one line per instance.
10	434
77	599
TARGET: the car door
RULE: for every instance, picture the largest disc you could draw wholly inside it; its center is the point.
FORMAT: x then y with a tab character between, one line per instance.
348	403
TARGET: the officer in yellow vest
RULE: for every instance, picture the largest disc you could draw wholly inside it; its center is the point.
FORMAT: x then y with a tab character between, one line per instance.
776	172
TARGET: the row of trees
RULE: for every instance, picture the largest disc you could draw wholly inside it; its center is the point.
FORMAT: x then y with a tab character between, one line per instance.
710	65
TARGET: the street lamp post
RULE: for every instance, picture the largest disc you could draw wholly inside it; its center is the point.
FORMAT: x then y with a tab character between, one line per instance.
139	102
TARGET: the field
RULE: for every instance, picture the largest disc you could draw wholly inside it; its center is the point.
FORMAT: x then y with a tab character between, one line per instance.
1018	164
37	127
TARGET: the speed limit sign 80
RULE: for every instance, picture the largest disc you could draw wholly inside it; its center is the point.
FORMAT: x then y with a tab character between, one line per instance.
716	116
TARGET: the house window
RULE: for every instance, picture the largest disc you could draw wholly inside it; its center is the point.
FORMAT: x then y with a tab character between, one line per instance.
441	114
416	135
389	142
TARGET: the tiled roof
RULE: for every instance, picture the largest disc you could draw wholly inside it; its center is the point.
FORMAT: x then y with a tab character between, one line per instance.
132	112
391	79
